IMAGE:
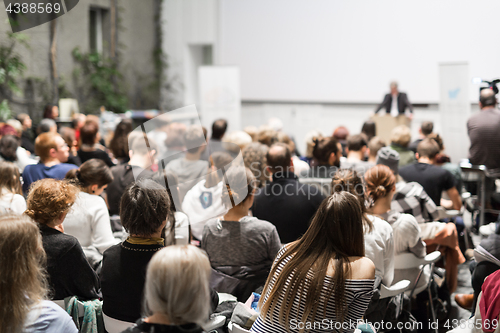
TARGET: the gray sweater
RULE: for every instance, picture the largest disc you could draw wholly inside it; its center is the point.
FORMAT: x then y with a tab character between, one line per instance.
245	243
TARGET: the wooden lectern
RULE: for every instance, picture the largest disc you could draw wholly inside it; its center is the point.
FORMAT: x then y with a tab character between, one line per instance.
386	123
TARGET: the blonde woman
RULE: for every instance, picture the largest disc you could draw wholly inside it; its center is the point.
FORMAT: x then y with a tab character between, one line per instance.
174	303
11	199
23	286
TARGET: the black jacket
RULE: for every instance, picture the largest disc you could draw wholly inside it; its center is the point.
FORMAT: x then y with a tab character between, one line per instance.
287	204
403	103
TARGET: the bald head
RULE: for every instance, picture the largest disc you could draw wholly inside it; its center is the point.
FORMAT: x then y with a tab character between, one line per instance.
487	98
279	158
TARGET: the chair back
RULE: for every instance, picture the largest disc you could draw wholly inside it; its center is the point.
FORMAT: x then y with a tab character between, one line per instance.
113	325
409	260
396	289
235	328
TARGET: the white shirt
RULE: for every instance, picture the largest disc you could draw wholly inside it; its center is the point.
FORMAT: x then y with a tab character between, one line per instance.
394	107
181	228
88	221
10	202
203	204
379	248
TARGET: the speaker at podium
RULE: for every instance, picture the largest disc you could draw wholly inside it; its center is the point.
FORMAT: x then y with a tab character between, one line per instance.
384	125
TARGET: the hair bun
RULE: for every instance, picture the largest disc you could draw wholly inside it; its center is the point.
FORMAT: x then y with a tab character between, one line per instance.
380	191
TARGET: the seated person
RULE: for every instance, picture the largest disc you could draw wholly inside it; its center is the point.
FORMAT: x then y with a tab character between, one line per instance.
285	202
423	132
374	145
433	179
144	210
203	202
254	157
410	198
23	281
378	234
238	245
400	139
338	290
90	147
190	168
88	219
356	152
11	199
182	308
69	272
327	153
53	152
380	187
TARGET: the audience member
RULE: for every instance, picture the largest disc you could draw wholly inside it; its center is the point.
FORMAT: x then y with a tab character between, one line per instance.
327	153
411	198
341	134
484	135
267	135
68	134
90	148
423	132
380	188
379	240
297	202
51	111
214	144
369	129
27	137
190	169
10	150
339	291
144	211
45	126
69	273
252	131
235	142
174	142
252	243
356	154
204	201
374	145
310	139
77	122
433	179
119	142
88	219
158	134
181	233
185	307
11	199
137	168
299	166
442	160
400	139
254	157
23	283
53	152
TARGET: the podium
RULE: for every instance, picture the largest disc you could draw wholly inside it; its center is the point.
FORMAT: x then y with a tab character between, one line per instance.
386	123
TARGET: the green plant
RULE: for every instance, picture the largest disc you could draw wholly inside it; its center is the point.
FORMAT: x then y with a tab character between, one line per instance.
98	82
12	68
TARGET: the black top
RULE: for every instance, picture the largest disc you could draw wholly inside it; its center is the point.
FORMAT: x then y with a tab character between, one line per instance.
74	160
403	103
68	270
98	153
123	176
122	276
433	179
28	141
413	146
321	171
143	327
287	204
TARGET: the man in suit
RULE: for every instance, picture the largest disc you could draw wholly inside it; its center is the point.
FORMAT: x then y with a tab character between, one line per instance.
396	102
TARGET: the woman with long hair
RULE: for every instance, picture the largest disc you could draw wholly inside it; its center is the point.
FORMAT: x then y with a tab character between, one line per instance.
379	241
119	142
380	188
322	276
88	219
69	272
253	243
11	199
23	284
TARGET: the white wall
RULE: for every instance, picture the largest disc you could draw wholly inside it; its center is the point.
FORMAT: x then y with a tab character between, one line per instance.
349	51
